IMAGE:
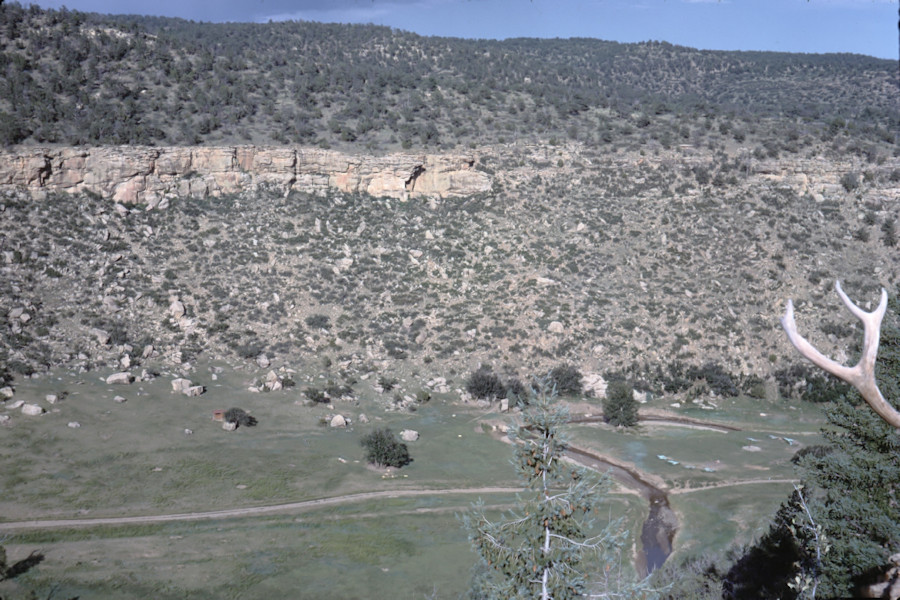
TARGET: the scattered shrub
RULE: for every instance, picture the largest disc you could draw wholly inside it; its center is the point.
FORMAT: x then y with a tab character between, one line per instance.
801	381
317	321
718	380
316	395
619	407
386	383
567	380
239	416
850	181
484	383
385	450
516	393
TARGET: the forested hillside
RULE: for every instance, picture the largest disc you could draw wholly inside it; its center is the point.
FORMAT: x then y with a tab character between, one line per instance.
75	78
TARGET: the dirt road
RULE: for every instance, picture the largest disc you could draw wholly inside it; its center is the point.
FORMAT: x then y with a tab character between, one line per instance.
249	511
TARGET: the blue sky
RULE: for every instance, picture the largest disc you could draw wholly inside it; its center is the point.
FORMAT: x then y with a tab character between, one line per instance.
859	26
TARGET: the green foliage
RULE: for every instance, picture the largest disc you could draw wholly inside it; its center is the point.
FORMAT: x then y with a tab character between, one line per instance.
850	181
619	407
810	384
542	547
317	321
850	501
484	383
240	417
385	450
694	577
316	395
567	380
118	79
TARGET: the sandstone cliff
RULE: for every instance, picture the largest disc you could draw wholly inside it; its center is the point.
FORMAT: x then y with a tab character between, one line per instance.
143	175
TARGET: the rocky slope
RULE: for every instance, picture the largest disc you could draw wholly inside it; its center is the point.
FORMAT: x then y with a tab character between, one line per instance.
604	260
144	175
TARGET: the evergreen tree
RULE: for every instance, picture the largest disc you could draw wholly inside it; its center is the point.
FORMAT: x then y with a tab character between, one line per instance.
852	496
385	450
619	407
539	550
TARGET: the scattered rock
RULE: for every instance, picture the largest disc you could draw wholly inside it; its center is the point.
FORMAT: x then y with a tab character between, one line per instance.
556	327
194	390
5	419
751	448
51	398
122	378
188	432
7	392
119	399
229	425
32	410
74	424
176	309
15	404
594	385
504	405
148	350
409	435
363	419
102	337
263	361
338	421
181	385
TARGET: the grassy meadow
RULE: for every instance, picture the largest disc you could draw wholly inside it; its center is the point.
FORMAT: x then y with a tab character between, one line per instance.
135	458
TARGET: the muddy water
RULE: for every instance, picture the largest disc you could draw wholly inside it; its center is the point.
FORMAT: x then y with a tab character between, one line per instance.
661	525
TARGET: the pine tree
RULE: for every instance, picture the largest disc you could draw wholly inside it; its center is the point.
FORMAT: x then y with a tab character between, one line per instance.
852	495
540	549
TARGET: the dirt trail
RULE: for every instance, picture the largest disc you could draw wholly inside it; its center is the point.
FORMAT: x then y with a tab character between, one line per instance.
249	511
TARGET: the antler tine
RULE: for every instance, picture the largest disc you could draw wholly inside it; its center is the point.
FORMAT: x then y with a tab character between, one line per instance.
862	375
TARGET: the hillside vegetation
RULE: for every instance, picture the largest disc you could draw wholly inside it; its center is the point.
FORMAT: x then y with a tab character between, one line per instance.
75	78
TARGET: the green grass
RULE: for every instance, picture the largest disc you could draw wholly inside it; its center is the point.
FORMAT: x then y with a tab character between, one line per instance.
134	458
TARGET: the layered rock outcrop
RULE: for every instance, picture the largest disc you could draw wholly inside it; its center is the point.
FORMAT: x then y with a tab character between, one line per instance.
143	175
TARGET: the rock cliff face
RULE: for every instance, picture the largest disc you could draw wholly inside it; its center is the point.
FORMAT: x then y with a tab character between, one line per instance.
142	175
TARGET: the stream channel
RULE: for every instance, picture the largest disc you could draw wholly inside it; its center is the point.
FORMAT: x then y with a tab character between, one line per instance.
661	525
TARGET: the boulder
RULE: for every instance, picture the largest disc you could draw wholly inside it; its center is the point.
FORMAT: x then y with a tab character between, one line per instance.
5	419
229	425
32	410
556	327
263	361
338	421
7	392
74	424
409	435
122	378
194	390
181	384
504	405
51	398
176	309
119	399
363	418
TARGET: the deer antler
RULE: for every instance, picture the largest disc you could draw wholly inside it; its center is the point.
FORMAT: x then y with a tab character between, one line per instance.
861	376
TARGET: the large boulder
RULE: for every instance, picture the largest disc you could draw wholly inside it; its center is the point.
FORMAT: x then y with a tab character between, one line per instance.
122	378
338	421
409	435
32	410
